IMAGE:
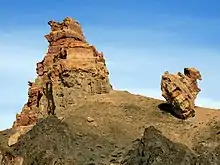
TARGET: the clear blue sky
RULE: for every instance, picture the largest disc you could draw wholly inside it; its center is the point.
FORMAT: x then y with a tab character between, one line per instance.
140	39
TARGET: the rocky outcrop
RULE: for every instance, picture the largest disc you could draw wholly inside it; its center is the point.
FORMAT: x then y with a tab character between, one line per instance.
25	119
13	139
71	68
180	90
155	149
49	142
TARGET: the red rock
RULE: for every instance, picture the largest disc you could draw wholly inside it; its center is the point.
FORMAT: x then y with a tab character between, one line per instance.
25	119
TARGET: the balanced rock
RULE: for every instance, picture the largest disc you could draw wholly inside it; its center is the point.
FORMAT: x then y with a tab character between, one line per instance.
71	68
180	90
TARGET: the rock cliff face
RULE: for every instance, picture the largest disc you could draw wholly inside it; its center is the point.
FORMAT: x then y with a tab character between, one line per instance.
71	67
180	90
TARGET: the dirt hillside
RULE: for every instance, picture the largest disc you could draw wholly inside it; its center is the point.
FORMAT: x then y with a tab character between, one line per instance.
103	124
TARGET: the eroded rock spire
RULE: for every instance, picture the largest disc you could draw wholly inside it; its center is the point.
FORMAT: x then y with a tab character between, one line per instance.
72	67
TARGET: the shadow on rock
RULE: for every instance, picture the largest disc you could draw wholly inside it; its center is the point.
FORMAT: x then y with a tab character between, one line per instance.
165	107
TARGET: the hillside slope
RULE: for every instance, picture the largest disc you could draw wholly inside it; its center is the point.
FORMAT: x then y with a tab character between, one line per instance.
102	125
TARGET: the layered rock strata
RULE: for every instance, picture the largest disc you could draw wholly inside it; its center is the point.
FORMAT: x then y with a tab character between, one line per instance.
71	68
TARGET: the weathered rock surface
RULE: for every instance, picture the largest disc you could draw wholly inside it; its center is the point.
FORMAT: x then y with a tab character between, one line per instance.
71	68
18	132
155	149
7	158
52	142
25	119
180	90
49	142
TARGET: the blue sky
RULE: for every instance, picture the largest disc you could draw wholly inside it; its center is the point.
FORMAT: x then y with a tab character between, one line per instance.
140	40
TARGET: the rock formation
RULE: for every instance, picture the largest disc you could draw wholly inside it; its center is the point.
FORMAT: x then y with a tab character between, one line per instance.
180	90
71	67
49	142
13	139
71	117
155	148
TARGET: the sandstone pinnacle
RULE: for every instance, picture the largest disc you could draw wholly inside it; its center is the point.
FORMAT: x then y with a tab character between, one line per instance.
71	68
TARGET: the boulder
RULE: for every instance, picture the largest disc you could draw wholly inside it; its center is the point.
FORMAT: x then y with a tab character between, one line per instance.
180	90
